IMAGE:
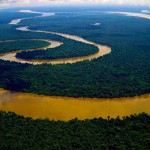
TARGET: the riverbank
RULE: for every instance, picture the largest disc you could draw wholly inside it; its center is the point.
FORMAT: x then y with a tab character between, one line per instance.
67	108
102	50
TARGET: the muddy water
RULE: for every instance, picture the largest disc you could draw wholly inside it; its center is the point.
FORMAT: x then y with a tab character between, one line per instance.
102	50
11	56
61	108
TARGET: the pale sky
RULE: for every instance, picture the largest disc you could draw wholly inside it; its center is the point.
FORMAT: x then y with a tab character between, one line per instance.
13	3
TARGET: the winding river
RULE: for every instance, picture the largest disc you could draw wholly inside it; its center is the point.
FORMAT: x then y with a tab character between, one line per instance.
64	108
102	50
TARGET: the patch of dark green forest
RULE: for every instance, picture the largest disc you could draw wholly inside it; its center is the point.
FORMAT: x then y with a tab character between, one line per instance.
7	15
18	132
21	45
69	49
124	72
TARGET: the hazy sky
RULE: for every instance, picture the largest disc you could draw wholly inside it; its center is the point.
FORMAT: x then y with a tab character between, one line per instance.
11	3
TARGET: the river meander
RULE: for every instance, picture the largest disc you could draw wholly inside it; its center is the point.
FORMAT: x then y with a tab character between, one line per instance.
102	50
64	108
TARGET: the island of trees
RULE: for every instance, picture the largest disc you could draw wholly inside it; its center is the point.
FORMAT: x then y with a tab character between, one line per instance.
9	46
69	49
124	72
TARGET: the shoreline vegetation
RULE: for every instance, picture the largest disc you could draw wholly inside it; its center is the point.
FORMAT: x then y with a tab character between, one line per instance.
82	79
57	108
14	57
84	88
18	132
15	46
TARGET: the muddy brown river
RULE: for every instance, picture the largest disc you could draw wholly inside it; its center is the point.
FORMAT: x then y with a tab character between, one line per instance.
102	50
64	108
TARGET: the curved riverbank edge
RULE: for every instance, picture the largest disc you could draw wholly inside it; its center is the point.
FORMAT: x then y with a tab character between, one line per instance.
66	108
102	50
11	56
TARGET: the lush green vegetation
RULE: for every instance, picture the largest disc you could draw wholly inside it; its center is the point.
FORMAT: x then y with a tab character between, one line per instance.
124	72
45	79
8	32
8	46
69	49
7	15
17	132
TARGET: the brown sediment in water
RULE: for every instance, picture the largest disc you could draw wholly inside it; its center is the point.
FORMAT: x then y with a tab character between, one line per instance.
66	108
11	56
102	50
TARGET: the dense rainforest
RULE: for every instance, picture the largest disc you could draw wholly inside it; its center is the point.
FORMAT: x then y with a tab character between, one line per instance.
124	72
17	132
9	46
69	49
